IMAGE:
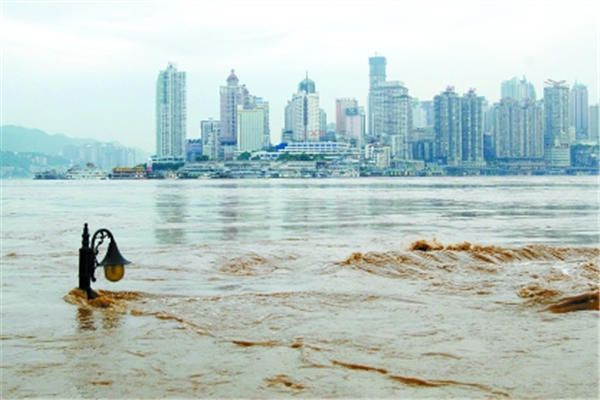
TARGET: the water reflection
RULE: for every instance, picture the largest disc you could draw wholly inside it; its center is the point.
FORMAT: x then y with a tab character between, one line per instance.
171	203
87	322
229	212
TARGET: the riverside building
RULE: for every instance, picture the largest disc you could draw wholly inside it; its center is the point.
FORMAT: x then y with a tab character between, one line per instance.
447	127
518	130
390	111
376	75
350	121
231	95
472	129
558	134
251	129
211	138
170	114
579	111
302	113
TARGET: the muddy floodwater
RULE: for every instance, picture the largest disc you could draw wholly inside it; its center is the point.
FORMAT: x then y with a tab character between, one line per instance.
475	287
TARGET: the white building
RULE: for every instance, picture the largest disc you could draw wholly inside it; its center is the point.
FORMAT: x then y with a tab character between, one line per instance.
170	114
250	129
325	148
391	114
556	115
302	114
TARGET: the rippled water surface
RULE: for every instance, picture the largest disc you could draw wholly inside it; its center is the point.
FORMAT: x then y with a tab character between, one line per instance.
387	288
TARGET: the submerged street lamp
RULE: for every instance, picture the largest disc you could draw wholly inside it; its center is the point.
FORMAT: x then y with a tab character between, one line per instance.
113	262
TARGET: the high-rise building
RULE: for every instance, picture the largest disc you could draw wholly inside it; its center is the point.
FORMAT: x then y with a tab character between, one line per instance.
302	113
232	95
429	112
322	123
376	76
354	126
419	115
517	89
262	104
391	110
211	138
518	132
533	129
556	114
170	114
593	123
447	127
350	121
579	111
251	128
558	133
376	70
340	114
472	128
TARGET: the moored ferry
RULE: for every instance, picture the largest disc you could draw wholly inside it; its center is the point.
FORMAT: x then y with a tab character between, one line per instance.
88	172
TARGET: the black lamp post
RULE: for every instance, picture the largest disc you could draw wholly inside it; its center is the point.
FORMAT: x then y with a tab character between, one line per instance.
113	261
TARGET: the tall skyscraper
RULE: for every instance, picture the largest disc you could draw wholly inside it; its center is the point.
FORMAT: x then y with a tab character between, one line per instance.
232	95
447	126
533	129
517	89
170	114
472	128
507	132
376	76
376	70
558	133
579	111
302	113
518	132
391	108
556	114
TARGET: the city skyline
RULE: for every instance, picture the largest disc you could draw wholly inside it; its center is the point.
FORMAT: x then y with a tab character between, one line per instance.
56	52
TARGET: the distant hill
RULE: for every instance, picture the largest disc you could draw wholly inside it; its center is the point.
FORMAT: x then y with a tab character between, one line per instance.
19	139
25	151
25	140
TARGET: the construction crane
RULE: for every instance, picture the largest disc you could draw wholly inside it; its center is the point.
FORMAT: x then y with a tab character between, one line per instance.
554	83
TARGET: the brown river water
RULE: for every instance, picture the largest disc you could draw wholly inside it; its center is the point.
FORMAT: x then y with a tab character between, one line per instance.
367	288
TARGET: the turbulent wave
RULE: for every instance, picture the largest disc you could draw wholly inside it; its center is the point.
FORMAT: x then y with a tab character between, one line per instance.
551	272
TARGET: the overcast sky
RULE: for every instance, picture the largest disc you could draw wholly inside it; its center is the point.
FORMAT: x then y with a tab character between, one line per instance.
89	68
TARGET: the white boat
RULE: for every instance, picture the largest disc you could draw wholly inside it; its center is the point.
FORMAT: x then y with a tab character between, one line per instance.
88	172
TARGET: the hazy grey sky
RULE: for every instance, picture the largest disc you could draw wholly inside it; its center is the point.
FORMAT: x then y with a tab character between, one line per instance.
89	68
